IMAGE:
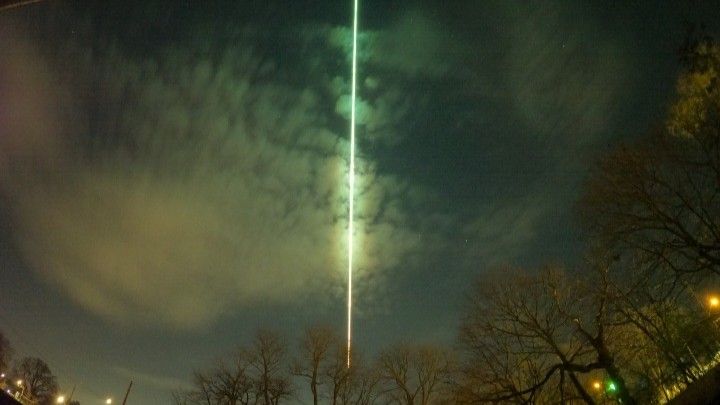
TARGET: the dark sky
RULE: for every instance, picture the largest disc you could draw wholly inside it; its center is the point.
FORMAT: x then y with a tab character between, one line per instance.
173	175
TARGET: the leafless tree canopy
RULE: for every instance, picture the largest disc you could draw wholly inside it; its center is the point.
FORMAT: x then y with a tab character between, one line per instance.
536	338
255	375
314	354
658	198
354	385
412	374
267	362
40	383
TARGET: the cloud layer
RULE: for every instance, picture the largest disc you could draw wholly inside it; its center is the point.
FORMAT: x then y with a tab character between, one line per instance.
175	186
201	187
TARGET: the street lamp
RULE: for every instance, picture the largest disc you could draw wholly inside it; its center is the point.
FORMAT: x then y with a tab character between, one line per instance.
597	385
60	399
713	301
108	401
22	386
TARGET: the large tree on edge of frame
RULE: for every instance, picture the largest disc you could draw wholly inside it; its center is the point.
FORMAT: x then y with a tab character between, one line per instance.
658	199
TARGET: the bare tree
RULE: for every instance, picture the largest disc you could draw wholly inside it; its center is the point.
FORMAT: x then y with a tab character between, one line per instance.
653	213
40	383
337	373
534	337
659	198
255	375
586	304
664	319
266	363
204	392
362	385
225	384
180	397
356	385
411	374
315	350
515	343
233	384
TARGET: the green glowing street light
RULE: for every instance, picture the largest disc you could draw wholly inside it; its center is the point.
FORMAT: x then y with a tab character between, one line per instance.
611	387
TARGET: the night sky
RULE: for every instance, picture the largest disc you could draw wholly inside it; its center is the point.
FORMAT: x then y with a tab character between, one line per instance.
173	175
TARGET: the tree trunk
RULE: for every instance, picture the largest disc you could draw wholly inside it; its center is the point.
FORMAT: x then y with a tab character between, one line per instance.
606	359
313	388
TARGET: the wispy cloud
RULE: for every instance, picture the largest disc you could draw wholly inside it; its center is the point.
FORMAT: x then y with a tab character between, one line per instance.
176	188
208	189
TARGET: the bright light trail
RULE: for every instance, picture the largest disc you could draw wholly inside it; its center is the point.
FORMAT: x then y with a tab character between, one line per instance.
351	181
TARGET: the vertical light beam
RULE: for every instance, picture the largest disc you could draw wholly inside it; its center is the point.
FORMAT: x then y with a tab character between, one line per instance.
351	181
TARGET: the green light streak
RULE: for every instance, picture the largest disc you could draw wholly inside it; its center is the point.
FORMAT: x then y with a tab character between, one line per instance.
351	181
